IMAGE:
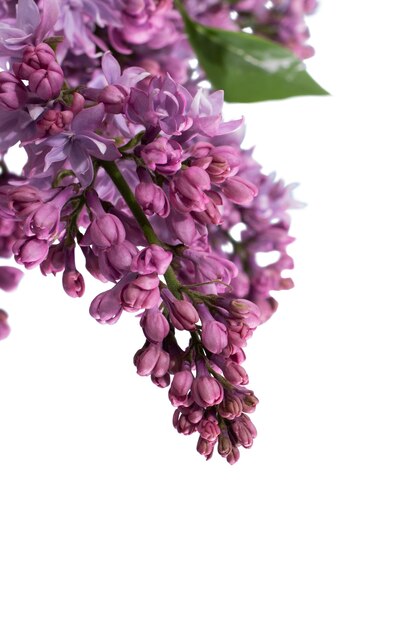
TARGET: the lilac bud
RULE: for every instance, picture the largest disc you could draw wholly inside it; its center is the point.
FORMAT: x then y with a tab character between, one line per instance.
183	315
113	97
245	310
162	154
187	189
13	94
152	199
194	413
243	434
239	190
106	231
161	381
208	428
141	293
182	424
54	122
152	259
34	58
43	222
155	325
207	391
121	255
235	373
73	283
205	448
21	199
55	260
224	445
214	336
152	359
30	252
249	402
10	278
4	326
233	456
106	307
180	387
230	407
47	83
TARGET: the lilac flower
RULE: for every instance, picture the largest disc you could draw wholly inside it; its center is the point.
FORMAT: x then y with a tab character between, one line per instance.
30	25
162	104
163	155
158	222
79	144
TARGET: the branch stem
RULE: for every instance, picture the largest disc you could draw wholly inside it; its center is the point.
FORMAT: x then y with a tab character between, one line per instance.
150	235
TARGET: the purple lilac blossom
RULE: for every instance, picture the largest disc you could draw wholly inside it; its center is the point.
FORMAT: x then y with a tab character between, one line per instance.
131	162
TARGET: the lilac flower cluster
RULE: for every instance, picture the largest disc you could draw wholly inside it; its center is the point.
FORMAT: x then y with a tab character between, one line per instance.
146	181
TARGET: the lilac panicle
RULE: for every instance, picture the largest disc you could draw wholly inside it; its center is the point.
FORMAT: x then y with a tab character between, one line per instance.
131	162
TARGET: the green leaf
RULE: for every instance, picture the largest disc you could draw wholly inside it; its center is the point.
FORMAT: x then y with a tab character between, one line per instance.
247	67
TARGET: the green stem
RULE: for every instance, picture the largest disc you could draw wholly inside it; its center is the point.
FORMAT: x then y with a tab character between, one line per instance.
125	191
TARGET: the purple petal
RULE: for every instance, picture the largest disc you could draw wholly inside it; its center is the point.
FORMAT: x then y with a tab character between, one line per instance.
111	68
100	147
56	155
50	13
27	16
88	119
81	163
12	38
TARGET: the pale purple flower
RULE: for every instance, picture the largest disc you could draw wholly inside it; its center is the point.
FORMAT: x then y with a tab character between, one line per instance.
162	104
77	145
30	26
163	155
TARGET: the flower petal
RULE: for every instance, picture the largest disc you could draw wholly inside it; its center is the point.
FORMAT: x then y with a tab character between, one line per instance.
88	119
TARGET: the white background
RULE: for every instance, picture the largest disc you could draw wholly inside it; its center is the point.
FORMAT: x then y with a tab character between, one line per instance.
108	516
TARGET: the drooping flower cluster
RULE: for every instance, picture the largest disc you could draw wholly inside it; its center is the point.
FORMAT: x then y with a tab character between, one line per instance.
140	172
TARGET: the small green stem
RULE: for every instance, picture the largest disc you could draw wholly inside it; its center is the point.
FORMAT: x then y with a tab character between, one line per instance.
125	191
